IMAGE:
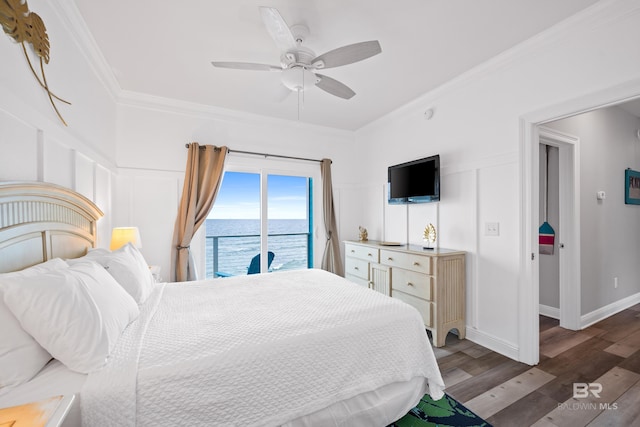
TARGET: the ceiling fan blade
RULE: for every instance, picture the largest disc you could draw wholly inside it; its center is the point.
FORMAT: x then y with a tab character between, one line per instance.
246	66
347	54
334	87
277	28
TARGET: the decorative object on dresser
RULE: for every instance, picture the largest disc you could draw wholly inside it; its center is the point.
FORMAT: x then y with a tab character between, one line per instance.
363	234
429	236
433	282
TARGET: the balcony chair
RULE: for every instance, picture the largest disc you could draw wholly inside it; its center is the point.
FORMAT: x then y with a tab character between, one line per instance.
254	266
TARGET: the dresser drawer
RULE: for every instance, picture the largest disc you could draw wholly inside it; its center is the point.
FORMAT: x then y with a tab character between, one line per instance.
356	267
412	282
408	261
362	252
423	306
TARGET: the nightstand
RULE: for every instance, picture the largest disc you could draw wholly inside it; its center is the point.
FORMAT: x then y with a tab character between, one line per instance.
53	409
155	272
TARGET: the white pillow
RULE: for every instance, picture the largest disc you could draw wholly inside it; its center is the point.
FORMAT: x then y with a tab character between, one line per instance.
128	267
76	314
21	357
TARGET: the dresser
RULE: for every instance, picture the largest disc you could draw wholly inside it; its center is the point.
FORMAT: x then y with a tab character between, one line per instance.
432	281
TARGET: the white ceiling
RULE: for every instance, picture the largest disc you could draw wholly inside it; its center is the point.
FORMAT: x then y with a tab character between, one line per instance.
165	48
632	107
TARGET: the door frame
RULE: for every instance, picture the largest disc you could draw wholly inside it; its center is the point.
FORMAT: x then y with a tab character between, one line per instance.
528	280
568	237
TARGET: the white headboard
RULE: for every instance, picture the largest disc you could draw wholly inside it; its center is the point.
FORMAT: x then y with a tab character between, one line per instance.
41	221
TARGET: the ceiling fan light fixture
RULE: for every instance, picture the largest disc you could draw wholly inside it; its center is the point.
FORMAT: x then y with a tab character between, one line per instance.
298	78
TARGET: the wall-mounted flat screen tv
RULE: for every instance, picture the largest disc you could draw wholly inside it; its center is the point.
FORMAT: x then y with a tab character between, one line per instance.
415	182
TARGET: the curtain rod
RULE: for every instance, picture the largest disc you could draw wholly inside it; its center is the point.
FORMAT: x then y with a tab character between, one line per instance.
253	153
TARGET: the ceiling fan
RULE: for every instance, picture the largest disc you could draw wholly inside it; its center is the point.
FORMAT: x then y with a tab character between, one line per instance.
299	64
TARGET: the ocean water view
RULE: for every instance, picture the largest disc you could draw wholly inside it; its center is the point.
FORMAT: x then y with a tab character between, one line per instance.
238	240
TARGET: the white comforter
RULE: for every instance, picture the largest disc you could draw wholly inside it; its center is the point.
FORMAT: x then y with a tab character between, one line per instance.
256	350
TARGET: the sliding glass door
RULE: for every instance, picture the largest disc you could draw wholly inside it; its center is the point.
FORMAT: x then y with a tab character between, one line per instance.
259	222
289	221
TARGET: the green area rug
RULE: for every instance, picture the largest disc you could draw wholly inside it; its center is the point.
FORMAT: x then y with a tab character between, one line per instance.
444	412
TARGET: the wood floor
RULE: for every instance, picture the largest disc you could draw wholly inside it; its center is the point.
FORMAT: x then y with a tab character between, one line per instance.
605	358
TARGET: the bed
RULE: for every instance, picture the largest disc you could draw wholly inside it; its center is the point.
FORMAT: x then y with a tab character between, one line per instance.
295	348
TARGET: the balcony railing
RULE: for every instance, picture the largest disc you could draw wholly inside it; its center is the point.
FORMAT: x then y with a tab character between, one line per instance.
232	254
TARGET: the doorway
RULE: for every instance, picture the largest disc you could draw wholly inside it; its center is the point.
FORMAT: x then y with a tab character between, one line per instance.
550	250
531	129
559	270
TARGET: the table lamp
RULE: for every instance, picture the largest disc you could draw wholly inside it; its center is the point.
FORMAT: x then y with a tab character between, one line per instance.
120	236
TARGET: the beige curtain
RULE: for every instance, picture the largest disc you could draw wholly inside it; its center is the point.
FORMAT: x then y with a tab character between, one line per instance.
331	260
205	165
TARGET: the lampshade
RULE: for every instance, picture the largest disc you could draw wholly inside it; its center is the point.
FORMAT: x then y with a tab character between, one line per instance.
120	236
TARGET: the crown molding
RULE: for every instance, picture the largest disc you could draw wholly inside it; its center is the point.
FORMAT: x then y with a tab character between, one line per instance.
69	14
170	105
597	15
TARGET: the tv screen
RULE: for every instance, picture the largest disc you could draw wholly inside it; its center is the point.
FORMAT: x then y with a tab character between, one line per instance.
415	182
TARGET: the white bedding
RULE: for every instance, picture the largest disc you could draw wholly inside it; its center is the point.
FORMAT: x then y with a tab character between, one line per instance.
259	350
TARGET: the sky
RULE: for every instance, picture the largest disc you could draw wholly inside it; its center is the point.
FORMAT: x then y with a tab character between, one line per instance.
239	197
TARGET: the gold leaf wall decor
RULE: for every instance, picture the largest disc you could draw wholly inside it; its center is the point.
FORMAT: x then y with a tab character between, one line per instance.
39	39
23	27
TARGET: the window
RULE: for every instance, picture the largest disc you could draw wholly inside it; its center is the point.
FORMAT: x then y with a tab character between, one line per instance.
259	213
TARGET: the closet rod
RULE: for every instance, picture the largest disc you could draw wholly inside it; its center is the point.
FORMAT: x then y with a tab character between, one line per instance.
253	153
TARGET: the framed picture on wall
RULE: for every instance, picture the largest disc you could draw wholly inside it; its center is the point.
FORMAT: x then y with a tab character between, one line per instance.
631	187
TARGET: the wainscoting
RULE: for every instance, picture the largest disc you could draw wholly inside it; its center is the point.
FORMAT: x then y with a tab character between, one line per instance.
602	360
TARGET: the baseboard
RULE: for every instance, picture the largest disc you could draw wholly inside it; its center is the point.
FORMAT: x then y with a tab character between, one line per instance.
602	313
493	343
549	311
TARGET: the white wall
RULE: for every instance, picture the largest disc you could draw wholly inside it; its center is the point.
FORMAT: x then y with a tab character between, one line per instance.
34	145
476	131
610	246
151	156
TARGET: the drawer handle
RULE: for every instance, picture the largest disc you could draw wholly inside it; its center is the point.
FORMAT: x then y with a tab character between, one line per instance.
416	263
356	268
389	259
410	284
369	254
353	251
